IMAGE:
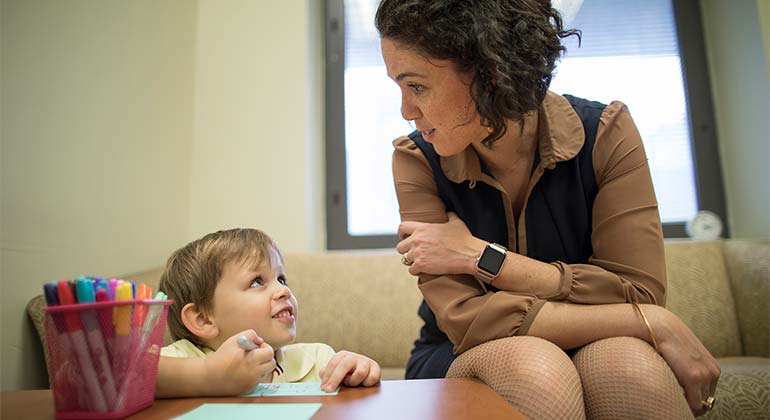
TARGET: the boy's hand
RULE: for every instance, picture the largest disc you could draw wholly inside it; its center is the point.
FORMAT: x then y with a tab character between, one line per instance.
232	370
352	369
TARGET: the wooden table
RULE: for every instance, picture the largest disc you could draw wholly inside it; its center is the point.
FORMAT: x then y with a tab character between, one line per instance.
424	399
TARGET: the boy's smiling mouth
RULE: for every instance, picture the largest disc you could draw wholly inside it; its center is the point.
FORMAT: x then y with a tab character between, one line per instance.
286	313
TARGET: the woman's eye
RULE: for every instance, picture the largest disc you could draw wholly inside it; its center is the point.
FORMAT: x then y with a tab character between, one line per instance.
416	88
282	280
256	282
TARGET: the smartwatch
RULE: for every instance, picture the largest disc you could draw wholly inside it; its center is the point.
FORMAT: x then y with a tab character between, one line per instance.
490	261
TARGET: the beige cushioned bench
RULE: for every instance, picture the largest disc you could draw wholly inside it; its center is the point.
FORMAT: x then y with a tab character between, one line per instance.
366	301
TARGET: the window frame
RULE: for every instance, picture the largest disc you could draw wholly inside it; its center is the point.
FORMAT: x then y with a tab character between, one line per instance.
705	148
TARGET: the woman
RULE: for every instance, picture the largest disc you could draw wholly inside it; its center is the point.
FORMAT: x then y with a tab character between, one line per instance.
566	322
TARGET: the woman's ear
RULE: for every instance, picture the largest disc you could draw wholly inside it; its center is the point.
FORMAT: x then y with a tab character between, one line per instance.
199	322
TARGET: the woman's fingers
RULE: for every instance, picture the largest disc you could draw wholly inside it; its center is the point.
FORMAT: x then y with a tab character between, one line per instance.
407	228
404	246
694	367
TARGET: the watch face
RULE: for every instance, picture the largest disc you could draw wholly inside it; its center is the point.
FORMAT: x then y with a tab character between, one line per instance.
491	260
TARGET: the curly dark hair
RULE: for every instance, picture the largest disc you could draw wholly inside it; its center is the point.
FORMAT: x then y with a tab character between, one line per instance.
511	46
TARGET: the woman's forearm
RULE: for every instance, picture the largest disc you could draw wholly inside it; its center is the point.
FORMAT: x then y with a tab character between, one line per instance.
571	325
520	274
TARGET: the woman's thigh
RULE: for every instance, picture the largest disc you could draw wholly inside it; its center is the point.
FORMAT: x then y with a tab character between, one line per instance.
532	374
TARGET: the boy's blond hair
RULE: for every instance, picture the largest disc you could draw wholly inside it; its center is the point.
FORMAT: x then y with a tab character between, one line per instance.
193	271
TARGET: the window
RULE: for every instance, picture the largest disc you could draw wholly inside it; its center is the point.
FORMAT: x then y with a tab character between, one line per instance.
648	54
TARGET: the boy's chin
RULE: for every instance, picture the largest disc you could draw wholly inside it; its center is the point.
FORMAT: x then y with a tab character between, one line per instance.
279	342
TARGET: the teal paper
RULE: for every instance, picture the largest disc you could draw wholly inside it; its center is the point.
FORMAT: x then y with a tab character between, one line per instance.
292	389
252	411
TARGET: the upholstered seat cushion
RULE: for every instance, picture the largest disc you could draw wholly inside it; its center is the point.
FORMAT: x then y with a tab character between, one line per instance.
743	391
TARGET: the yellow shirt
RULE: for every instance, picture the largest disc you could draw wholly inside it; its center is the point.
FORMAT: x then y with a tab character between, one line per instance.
301	362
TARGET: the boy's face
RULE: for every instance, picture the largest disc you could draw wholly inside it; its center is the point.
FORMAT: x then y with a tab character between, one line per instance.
259	300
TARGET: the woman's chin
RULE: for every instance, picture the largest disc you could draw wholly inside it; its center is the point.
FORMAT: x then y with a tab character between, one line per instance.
444	151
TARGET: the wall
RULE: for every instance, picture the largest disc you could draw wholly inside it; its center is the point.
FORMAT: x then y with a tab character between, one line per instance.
763	9
153	123
738	66
256	150
97	112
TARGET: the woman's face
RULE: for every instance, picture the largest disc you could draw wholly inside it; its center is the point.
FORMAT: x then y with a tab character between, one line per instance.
436	96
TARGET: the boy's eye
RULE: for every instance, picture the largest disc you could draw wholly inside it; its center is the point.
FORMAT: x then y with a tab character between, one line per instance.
416	88
282	280
256	282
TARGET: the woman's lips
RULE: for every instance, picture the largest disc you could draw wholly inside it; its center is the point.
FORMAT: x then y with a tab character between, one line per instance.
427	133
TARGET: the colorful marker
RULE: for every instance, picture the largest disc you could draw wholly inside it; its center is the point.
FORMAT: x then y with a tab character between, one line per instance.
77	338
121	318
85	289
147	328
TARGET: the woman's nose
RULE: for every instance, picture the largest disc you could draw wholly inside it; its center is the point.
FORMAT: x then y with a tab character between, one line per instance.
409	111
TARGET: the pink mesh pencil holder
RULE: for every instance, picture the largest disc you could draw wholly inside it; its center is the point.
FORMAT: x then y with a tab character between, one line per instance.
103	357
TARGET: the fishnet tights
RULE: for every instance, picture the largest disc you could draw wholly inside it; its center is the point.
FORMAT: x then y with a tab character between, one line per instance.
622	378
532	374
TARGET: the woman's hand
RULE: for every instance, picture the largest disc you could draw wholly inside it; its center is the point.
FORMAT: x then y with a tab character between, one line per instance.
439	248
694	367
351	368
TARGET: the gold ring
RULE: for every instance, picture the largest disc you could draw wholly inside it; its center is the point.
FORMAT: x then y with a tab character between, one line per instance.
709	403
404	259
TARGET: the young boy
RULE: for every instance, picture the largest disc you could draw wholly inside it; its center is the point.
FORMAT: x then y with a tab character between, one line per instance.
232	283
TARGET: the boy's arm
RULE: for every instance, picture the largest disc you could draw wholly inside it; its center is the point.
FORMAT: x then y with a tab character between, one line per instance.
181	377
228	371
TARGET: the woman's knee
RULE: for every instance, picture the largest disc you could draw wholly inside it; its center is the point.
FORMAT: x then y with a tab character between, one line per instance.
624	378
519	357
622	360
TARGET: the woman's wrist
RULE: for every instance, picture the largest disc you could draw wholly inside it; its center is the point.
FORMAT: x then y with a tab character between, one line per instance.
659	319
473	249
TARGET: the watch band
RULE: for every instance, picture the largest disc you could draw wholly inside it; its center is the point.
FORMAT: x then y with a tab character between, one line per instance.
483	276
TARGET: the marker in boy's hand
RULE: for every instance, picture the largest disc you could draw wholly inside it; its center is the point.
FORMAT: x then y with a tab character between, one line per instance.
248	345
351	369
234	371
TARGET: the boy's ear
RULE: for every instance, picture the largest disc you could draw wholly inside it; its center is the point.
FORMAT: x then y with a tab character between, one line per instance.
198	322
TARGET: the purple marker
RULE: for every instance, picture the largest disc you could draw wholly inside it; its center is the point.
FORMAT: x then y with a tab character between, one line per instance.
113	284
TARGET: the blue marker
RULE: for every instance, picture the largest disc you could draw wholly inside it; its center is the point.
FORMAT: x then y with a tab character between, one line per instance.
85	289
49	290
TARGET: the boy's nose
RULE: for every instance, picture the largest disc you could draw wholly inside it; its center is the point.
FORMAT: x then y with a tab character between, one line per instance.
282	292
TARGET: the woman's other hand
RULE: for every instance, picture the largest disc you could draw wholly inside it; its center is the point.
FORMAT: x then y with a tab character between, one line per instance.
694	367
439	248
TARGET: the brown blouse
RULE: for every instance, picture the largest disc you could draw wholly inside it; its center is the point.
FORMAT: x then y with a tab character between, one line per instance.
627	262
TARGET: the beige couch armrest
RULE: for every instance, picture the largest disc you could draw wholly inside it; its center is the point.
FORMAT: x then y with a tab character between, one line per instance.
36	313
747	262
